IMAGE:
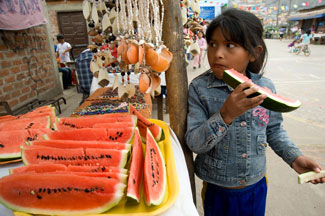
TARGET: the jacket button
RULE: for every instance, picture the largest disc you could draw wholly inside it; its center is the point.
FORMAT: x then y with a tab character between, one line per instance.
244	155
243	123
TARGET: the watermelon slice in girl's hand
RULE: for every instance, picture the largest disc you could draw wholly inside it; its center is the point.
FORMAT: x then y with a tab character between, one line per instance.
273	101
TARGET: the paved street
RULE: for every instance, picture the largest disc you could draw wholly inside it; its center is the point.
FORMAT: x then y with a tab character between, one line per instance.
296	77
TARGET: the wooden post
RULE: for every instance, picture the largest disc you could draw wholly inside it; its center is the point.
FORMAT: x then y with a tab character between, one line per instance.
176	79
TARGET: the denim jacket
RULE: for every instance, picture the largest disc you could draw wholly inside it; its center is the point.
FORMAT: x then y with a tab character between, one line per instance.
232	155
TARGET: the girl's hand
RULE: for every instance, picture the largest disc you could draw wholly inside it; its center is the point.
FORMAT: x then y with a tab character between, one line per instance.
237	103
304	164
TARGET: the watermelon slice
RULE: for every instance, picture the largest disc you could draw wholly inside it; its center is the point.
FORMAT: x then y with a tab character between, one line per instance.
26	123
273	101
68	123
136	170
100	134
59	194
75	156
10	141
82	144
39	168
155	179
143	123
96	169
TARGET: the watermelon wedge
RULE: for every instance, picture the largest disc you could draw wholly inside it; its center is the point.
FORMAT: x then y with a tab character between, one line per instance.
82	144
155	179
59	194
96	169
273	101
10	141
75	156
68	123
26	123
143	123
39	168
100	134
136	170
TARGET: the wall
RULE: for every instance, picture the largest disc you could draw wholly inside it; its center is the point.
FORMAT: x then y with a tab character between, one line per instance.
27	67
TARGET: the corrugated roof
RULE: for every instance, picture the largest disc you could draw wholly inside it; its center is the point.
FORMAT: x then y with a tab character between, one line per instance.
308	15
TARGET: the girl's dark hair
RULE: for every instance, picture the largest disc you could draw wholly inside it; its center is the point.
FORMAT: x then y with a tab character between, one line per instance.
245	29
308	32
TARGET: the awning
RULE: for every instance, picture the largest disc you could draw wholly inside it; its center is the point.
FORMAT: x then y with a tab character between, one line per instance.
308	15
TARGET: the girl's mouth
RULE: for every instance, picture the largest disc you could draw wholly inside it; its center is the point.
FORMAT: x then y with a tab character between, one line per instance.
219	66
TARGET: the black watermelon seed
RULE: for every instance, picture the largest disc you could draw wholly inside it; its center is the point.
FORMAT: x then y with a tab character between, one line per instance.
133	181
86	190
59	189
39	197
44	190
64	189
103	168
109	177
48	190
40	190
69	188
54	190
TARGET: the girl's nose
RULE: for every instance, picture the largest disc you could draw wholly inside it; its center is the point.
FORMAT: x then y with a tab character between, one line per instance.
219	53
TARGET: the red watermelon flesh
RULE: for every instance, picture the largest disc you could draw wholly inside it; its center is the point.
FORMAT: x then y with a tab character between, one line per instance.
10	141
59	194
28	123
82	144
114	125
39	168
76	156
7	118
88	122
155	179
97	169
136	169
33	115
143	123
100	134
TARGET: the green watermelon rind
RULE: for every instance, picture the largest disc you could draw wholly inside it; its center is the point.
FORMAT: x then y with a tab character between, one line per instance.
271	103
159	200
9	156
115	201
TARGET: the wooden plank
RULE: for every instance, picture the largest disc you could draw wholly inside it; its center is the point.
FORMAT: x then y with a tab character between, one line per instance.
176	79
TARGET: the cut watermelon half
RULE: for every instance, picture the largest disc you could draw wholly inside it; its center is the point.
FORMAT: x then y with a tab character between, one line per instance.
26	123
136	170
155	179
59	194
273	101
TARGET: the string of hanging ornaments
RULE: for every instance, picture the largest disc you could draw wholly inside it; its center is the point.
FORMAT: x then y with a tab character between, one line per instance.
191	24
126	37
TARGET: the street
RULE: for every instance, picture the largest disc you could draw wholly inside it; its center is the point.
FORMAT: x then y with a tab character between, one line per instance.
303	78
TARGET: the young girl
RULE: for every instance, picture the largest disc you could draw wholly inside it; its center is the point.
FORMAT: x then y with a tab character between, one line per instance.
202	45
230	132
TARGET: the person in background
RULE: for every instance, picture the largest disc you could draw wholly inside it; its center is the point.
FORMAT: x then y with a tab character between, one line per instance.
305	39
62	50
85	76
202	45
229	131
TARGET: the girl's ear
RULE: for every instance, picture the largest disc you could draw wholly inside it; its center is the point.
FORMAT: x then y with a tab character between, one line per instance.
258	51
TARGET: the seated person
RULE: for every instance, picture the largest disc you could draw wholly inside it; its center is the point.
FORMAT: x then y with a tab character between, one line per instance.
62	49
85	76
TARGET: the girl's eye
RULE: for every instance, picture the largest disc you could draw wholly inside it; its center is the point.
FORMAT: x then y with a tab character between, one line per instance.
231	45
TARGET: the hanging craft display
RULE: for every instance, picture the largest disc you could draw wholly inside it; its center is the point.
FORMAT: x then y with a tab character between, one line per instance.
127	38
